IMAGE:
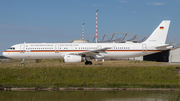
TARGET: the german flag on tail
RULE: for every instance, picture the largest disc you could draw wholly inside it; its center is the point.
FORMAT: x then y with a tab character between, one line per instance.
161	27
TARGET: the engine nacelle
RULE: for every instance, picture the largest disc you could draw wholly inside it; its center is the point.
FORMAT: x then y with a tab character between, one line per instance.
73	59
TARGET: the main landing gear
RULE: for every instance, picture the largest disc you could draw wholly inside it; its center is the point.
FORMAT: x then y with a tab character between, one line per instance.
88	63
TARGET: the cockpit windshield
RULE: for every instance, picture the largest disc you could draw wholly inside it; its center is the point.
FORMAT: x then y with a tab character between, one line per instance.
12	48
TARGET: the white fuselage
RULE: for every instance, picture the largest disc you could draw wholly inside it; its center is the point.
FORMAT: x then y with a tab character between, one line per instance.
59	50
78	52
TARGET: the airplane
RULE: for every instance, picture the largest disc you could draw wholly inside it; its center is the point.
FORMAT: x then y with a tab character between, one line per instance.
80	52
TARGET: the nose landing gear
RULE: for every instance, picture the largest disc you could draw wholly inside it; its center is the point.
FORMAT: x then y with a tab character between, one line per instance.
23	62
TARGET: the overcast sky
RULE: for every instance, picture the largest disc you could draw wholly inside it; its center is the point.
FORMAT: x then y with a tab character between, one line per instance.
58	20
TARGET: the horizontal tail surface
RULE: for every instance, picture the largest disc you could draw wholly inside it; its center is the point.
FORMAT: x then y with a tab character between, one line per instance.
160	33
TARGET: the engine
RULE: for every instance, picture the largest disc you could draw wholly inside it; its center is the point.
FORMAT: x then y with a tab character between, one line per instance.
73	59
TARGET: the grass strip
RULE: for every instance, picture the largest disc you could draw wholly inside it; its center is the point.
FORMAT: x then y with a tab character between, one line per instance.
91	76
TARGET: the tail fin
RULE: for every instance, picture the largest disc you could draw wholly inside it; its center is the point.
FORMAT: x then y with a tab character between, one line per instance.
160	33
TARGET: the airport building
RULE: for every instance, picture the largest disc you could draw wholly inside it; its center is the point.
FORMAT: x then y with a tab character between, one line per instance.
174	55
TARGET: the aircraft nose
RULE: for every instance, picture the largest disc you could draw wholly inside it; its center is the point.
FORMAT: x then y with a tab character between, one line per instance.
4	54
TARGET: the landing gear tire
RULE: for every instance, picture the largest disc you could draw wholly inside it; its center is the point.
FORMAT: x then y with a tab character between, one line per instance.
88	63
23	62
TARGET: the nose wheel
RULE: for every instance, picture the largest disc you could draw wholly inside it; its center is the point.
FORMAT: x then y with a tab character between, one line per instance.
88	63
23	62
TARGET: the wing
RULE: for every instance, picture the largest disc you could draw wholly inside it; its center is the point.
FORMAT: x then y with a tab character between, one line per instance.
93	53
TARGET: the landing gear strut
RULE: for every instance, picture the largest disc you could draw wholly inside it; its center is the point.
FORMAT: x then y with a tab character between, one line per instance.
23	62
88	63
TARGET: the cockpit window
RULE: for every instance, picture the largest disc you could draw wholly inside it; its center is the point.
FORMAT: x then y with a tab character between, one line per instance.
12	48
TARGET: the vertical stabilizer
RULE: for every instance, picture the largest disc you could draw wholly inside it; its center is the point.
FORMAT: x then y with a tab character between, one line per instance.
160	33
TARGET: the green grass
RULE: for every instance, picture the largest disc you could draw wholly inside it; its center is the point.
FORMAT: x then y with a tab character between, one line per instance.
52	73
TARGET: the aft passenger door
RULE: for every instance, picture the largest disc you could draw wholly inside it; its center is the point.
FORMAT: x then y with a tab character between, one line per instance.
144	48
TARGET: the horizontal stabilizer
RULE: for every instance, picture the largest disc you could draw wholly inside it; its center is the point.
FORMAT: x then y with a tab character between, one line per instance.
165	46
